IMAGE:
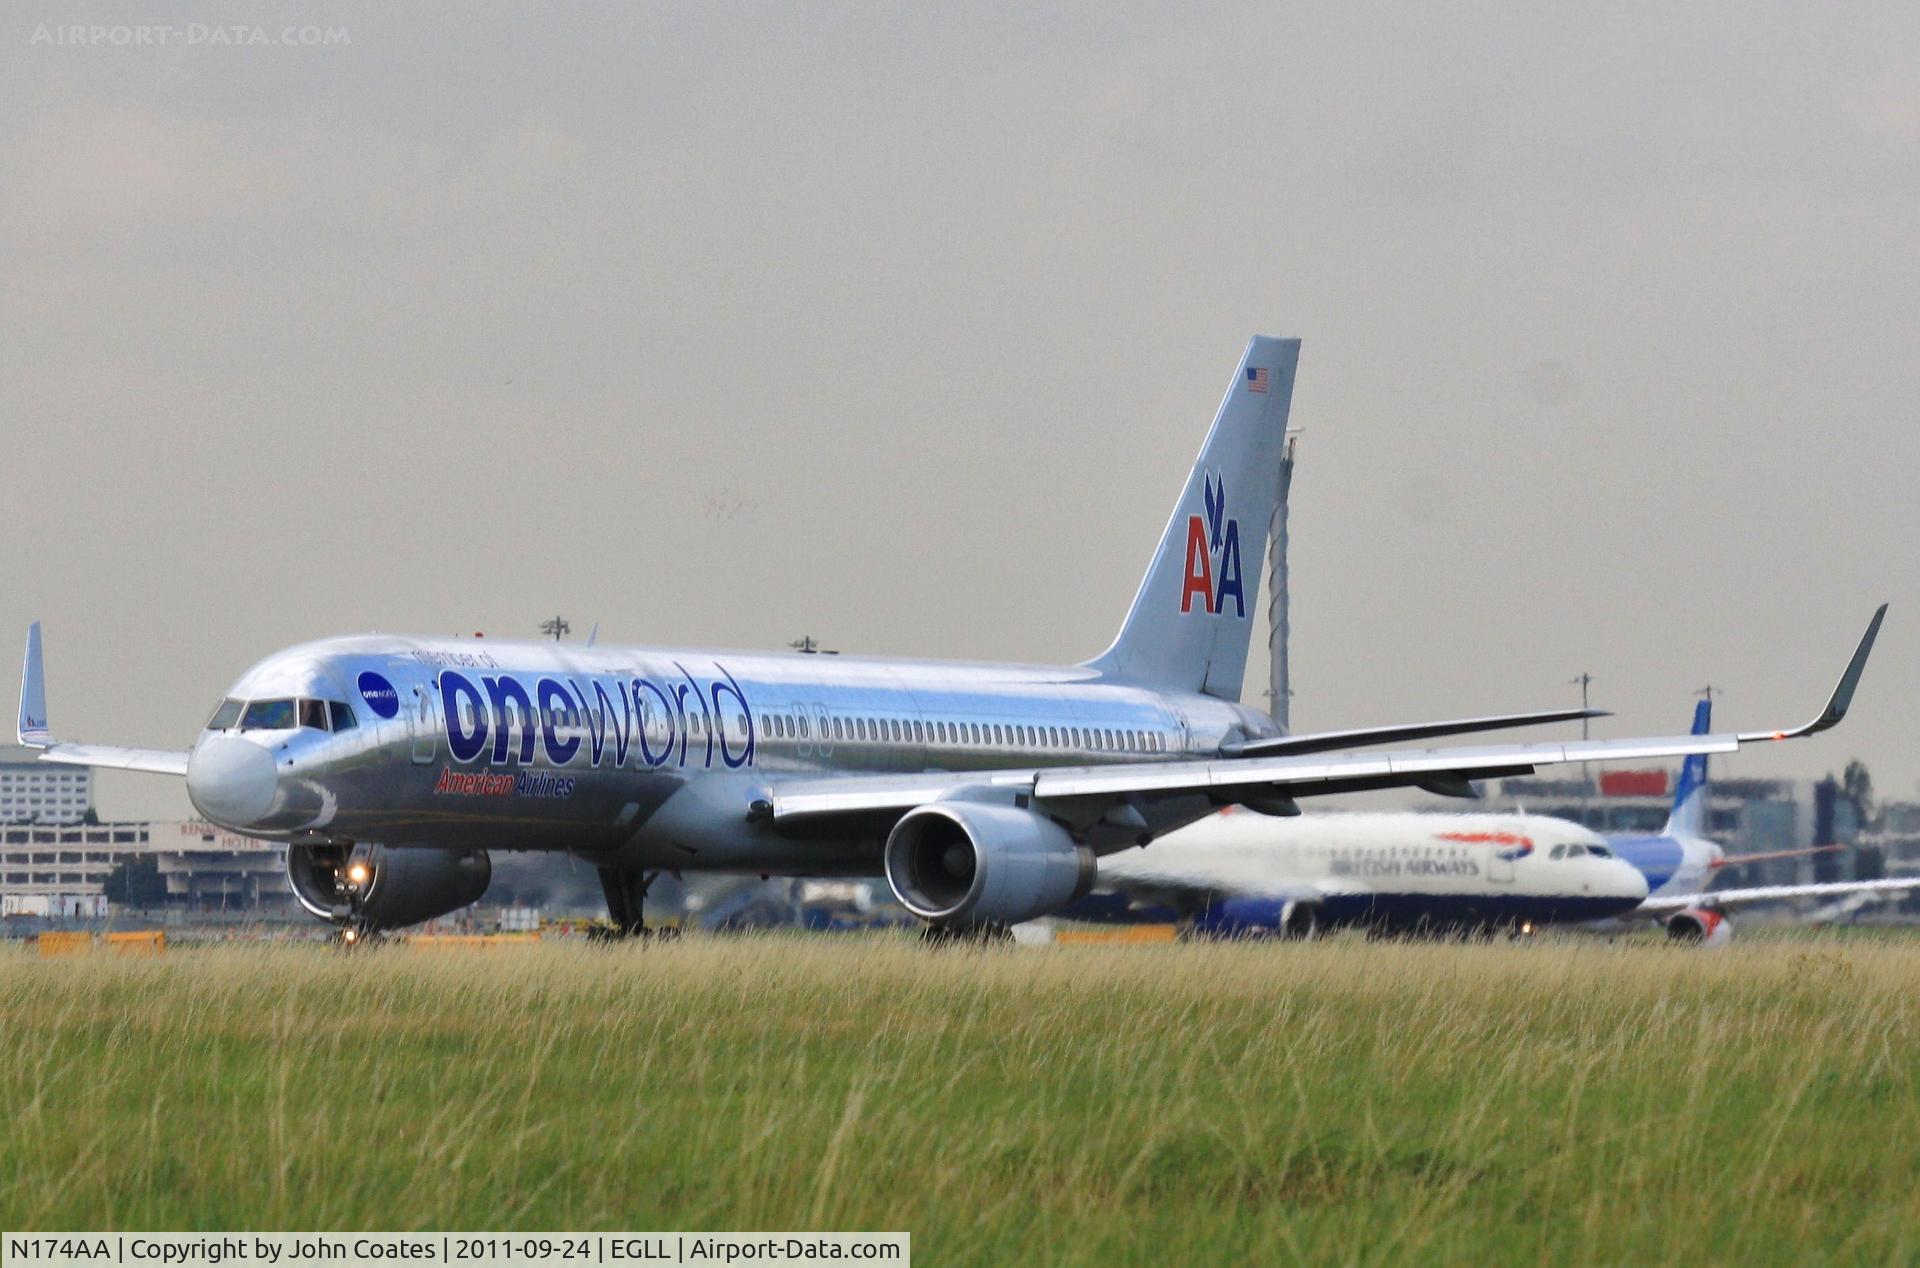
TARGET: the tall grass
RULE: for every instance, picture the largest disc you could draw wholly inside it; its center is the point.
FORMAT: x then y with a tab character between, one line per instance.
1331	1102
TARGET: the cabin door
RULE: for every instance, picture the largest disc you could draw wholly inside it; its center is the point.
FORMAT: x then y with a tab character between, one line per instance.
420	716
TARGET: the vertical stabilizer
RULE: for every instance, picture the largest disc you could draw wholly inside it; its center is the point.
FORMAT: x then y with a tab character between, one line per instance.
1688	818
32	730
1192	619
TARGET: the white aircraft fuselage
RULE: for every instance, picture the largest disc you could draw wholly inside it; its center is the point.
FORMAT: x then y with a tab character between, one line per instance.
1238	872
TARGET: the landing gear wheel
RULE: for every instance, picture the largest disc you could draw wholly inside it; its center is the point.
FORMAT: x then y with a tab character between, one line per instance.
354	934
966	936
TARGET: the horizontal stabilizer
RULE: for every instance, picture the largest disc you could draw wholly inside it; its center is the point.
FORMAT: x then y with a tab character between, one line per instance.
1770	856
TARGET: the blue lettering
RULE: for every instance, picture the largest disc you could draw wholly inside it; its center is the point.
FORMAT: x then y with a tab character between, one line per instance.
463	744
744	712
1230	573
602	725
706	718
500	693
555	704
680	708
643	708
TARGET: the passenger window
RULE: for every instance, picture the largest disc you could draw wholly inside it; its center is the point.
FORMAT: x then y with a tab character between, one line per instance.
340	714
268	715
226	715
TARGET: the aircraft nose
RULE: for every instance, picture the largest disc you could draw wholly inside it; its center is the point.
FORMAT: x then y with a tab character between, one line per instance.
230	780
1627	881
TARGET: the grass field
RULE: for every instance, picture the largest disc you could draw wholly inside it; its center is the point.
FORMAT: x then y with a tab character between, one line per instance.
1331	1102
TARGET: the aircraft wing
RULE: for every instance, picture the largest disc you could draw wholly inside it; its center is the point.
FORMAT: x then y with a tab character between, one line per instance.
1225	780
33	732
158	761
1773	893
1275	779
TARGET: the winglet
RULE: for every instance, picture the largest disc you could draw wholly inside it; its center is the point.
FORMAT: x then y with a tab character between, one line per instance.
32	730
1842	697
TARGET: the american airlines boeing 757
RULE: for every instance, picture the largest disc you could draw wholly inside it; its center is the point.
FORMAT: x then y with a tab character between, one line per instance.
985	793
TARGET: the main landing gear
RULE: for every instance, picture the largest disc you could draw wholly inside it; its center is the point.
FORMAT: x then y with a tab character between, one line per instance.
966	936
626	892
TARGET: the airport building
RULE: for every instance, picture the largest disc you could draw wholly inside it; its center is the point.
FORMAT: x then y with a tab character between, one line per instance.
62	872
41	792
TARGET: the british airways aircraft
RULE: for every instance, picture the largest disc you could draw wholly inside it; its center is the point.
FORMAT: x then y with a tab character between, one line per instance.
985	793
1235	874
1679	862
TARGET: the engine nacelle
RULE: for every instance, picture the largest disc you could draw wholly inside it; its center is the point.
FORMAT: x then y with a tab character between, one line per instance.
963	863
1703	925
384	888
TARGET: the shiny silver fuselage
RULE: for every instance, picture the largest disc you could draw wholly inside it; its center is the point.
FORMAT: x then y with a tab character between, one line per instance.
646	756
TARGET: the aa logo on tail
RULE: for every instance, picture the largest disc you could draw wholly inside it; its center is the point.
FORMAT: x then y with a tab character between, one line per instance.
1213	556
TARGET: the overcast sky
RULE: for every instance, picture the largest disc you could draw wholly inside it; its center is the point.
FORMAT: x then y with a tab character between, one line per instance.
725	323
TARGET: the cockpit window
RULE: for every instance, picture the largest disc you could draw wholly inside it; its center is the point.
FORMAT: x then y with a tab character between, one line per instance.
269	715
1600	851
226	715
1559	851
342	715
313	713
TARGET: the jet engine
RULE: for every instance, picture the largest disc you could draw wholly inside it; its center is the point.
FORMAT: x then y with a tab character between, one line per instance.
961	863
380	888
1705	925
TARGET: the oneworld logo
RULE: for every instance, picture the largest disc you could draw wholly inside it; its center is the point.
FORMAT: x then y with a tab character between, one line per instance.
379	695
1213	556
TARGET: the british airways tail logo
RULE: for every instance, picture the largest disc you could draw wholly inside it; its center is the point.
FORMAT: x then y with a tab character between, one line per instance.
1213	555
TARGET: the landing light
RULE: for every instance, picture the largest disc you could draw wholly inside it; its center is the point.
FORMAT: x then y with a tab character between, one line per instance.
349	936
357	874
1526	927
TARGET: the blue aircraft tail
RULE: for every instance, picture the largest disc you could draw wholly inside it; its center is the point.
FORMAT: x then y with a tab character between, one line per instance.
1688	818
1192	619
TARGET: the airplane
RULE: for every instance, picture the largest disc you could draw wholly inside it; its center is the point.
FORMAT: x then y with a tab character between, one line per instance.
1679	862
1235	874
984	793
